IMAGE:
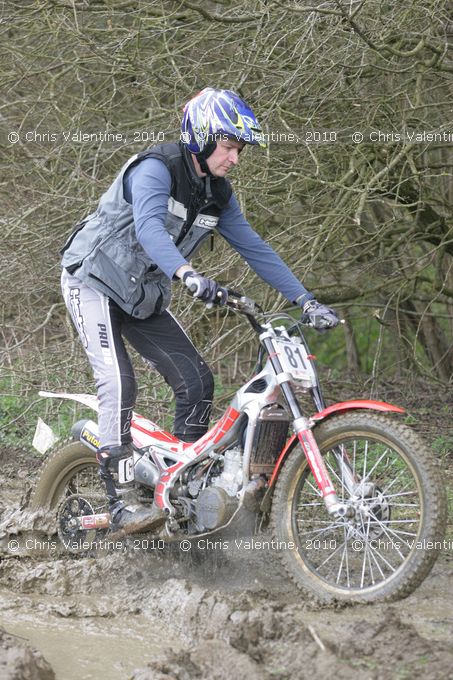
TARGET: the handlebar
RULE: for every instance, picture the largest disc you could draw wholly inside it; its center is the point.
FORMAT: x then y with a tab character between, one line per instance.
245	305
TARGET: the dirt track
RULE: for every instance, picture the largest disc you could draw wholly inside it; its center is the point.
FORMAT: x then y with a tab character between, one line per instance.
141	613
236	616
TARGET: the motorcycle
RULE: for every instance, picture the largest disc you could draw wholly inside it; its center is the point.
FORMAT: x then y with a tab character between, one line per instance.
352	497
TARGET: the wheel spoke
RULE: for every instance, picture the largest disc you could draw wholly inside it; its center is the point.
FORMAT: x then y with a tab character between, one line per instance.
335	474
365	552
365	455
375	466
389	532
320	531
374	554
402	493
344	558
316	491
394	480
332	554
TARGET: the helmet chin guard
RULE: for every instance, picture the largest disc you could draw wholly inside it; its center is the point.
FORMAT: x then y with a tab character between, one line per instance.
202	157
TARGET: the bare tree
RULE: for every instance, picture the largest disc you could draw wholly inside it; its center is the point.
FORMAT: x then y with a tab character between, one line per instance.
355	189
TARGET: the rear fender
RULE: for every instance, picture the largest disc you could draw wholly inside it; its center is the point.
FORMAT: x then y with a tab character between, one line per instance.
89	400
142	429
351	405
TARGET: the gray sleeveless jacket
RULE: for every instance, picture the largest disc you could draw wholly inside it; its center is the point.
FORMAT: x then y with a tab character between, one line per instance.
103	251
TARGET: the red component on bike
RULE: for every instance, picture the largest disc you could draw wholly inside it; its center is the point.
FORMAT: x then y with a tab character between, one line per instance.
211	437
316	463
165	478
356	403
101	521
216	433
160	435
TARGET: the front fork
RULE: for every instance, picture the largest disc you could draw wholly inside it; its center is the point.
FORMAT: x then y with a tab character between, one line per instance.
318	467
308	443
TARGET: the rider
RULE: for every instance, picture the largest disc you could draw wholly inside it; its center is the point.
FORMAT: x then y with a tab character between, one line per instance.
119	263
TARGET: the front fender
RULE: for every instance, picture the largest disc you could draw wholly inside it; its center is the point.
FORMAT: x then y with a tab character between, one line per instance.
354	404
341	406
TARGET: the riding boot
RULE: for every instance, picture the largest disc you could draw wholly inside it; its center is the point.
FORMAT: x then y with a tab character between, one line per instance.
126	519
108	459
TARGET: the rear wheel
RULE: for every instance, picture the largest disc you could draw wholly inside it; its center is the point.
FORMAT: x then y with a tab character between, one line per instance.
397	506
71	469
69	484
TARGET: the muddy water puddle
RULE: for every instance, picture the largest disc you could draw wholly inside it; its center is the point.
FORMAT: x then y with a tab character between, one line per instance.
78	642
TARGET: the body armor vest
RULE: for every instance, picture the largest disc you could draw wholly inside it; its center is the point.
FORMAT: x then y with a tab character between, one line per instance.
103	251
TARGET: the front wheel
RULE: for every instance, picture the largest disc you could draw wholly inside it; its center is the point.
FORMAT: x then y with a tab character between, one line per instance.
397	503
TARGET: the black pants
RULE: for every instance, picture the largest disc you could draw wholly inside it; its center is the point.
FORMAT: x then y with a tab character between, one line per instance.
160	340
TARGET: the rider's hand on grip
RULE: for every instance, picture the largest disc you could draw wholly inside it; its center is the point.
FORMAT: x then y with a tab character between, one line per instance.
319	316
205	289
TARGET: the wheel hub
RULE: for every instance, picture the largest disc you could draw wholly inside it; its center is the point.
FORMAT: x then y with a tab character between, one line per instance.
370	513
68	521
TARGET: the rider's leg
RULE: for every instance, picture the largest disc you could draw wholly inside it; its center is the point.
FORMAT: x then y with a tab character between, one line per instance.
164	344
99	322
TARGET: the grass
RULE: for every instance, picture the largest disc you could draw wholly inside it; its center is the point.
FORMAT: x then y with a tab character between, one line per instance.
19	415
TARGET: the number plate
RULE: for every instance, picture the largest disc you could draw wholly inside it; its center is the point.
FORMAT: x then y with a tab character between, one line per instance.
126	470
293	359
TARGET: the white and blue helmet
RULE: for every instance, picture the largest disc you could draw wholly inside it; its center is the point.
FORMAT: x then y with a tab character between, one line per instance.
214	115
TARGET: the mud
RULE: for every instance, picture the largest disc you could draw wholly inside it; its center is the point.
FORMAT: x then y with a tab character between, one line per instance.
20	661
140	612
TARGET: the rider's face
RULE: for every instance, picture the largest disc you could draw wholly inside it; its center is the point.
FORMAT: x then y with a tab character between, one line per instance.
224	157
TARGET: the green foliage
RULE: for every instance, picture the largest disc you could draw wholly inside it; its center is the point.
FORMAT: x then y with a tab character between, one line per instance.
443	447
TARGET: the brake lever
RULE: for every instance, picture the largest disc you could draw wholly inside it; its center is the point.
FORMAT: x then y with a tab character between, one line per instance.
241	302
322	329
235	300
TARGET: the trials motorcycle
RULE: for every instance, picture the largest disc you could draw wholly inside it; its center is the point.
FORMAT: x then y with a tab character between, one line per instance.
351	495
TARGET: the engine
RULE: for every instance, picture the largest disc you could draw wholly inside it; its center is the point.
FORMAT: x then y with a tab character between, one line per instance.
231	477
213	508
216	503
